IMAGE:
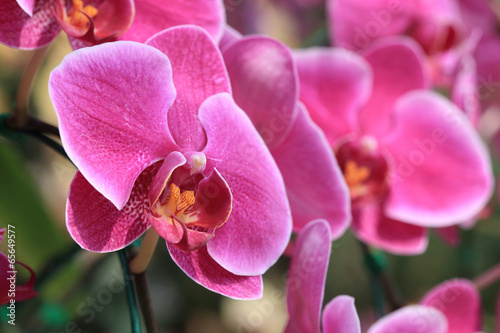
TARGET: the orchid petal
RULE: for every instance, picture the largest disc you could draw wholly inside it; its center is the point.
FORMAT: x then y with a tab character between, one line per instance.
115	17
465	90
488	70
412	319
334	85
259	227
372	226
27	5
213	203
198	72
460	302
171	162
395	59
152	16
228	38
264	83
355	24
167	228
314	183
20	30
340	315
306	278
111	101
95	223
200	267
431	135
193	240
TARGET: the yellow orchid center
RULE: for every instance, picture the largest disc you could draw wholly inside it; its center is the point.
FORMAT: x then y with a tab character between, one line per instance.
365	170
178	202
354	176
79	14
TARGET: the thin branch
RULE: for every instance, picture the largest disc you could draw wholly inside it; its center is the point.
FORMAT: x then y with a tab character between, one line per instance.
380	280
32	125
144	296
20	114
129	287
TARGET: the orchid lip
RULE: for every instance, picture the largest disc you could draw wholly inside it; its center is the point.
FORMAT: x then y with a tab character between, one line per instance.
190	206
365	169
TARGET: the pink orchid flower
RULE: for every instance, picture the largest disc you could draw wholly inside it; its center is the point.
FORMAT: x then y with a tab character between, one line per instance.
265	85
29	24
159	142
20	292
459	301
305	288
410	158
440	27
437	25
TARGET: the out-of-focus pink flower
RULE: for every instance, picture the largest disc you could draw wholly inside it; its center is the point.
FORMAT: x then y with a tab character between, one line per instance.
159	142
265	85
305	288
410	158
436	25
28	24
460	302
8	279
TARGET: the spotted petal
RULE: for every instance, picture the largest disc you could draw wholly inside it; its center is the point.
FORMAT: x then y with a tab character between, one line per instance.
95	223
21	30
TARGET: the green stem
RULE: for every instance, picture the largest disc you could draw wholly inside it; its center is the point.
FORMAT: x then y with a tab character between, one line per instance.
380	281
374	269
132	304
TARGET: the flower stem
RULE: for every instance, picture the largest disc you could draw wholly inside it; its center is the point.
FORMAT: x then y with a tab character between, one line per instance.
141	261
128	279
20	114
380	281
143	294
138	266
489	277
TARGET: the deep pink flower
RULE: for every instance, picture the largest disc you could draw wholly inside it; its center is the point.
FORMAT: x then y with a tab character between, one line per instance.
305	288
159	142
265	85
26	24
22	292
410	157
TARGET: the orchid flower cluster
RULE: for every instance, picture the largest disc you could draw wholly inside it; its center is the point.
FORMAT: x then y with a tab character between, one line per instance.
236	149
